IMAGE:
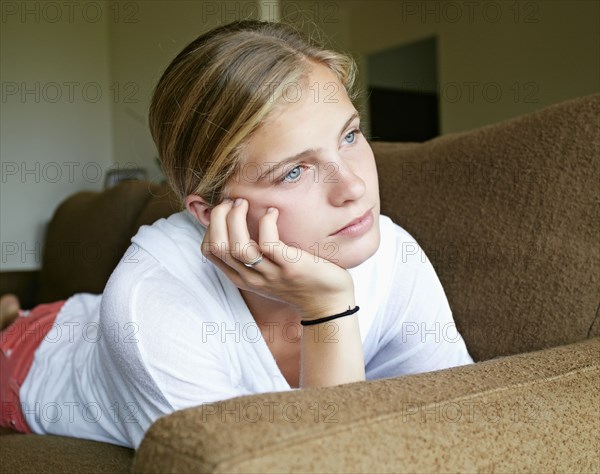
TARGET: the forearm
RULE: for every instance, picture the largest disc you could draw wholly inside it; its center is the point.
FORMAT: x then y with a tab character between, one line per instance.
332	353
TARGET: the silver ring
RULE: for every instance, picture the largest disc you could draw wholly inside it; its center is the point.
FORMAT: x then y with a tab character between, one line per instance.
256	261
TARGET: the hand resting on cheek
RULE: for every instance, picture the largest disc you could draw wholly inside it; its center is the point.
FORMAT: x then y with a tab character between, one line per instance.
228	245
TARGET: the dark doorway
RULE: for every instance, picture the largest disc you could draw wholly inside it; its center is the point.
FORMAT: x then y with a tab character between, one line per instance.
403	116
403	97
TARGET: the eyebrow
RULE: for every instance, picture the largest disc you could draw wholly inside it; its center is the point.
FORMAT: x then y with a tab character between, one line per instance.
302	154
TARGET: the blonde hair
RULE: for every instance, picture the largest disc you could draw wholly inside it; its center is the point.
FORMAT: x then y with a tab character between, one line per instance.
219	90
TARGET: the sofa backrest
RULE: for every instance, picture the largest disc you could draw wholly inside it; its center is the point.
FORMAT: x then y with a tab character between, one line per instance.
507	215
90	232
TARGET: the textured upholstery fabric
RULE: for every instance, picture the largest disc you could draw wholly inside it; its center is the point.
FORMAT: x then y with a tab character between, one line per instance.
508	215
36	454
511	414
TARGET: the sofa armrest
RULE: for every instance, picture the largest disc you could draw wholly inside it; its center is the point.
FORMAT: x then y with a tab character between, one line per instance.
528	412
24	284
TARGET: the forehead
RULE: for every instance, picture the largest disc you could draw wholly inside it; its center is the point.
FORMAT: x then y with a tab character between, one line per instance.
320	86
309	115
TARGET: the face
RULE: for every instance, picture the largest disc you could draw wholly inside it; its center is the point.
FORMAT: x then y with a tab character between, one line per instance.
323	190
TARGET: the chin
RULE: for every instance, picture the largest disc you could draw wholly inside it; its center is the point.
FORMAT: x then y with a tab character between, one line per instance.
357	253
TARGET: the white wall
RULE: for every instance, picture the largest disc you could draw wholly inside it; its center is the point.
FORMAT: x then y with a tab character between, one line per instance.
55	130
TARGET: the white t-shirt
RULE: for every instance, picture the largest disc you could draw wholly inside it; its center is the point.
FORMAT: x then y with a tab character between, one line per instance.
171	331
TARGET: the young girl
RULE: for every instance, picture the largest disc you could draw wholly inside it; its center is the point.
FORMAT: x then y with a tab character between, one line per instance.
279	273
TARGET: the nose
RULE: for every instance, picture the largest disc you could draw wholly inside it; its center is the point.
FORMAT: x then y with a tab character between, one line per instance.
345	183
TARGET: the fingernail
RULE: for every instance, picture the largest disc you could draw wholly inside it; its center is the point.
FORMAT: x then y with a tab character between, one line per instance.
227	201
237	202
270	210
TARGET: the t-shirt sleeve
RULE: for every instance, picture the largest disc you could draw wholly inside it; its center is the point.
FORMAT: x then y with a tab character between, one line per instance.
188	367
418	332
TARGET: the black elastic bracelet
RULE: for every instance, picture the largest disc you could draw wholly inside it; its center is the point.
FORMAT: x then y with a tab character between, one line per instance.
329	318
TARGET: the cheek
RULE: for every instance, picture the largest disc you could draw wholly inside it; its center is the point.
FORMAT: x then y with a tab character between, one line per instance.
253	220
291	222
289	225
295	225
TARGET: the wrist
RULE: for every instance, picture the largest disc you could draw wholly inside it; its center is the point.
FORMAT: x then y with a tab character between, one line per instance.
312	322
328	308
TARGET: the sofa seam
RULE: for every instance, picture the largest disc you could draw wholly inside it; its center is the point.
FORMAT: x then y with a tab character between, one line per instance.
594	321
359	423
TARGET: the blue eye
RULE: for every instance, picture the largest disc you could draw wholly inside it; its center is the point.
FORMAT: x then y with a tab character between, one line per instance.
353	133
293	175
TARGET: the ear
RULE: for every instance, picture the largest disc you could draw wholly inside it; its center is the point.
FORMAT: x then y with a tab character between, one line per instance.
198	208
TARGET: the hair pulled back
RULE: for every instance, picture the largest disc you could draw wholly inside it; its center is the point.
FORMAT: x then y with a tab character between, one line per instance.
219	90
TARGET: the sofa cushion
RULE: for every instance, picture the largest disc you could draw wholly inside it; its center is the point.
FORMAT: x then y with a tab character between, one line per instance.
31	453
508	216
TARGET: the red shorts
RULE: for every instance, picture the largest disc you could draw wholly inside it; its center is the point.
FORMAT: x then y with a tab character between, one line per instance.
18	343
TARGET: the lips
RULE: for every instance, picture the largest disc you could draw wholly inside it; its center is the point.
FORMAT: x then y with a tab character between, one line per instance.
356	226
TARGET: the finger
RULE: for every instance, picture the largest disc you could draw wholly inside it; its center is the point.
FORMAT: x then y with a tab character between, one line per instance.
268	233
217	234
242	247
210	248
216	238
268	236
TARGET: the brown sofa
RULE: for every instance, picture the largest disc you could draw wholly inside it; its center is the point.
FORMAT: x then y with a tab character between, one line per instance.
508	214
